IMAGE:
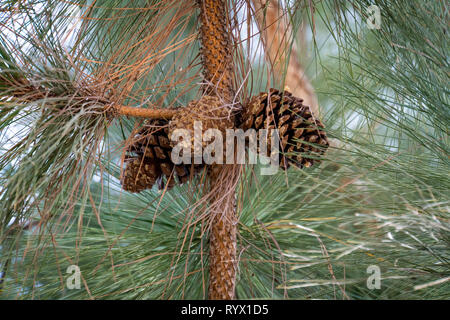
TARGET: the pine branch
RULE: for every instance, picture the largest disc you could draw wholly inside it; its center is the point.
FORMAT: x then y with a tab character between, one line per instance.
387	99
216	50
148	113
217	61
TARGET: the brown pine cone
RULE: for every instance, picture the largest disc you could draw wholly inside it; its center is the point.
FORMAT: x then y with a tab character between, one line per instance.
211	112
148	160
139	174
301	134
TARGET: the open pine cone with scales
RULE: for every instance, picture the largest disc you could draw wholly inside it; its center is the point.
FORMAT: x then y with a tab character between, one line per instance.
301	135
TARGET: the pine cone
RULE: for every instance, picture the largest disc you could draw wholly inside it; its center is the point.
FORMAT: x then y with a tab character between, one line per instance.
295	123
139	174
148	160
212	114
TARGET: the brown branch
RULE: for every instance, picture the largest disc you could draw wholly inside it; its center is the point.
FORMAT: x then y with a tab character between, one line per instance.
217	59
216	50
276	35
223	232
157	113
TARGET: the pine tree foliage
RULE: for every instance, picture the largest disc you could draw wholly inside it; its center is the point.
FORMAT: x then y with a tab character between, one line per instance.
378	198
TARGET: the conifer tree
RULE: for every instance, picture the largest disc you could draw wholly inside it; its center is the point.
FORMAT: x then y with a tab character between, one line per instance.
91	92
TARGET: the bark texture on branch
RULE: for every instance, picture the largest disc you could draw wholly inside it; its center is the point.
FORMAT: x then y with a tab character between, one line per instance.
216	51
277	36
217	60
222	252
147	113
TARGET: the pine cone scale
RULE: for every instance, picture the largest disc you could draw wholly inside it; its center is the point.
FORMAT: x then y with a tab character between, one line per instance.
295	122
148	160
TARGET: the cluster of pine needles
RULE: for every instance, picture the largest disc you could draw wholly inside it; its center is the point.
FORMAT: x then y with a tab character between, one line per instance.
379	197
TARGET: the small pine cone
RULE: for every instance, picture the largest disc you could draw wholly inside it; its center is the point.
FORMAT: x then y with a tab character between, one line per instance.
297	127
148	160
152	141
211	112
139	174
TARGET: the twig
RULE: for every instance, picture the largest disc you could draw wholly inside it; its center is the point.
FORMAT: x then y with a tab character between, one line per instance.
146	113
